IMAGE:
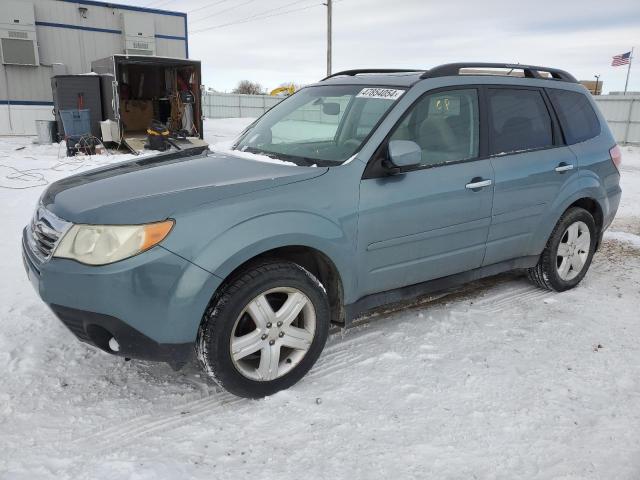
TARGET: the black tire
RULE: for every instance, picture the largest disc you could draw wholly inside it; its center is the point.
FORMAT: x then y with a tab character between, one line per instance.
545	274
214	338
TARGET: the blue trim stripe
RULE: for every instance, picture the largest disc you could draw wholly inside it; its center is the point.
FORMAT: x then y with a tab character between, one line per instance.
171	37
126	7
186	38
77	27
26	102
102	30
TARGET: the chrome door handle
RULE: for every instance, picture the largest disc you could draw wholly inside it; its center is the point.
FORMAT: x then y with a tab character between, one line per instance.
564	168
480	184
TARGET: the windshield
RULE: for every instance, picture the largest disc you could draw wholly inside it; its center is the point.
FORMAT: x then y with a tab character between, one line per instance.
322	126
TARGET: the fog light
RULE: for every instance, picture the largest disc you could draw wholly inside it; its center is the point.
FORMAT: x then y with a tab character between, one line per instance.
114	345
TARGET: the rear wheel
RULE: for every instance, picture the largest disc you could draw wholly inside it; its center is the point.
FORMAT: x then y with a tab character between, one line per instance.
568	253
264	330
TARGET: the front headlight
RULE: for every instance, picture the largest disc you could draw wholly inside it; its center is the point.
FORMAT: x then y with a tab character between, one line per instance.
102	244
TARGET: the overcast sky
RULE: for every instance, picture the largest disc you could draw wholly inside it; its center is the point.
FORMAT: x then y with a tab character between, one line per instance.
579	36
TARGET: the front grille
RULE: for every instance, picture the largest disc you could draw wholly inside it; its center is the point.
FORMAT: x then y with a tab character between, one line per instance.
45	231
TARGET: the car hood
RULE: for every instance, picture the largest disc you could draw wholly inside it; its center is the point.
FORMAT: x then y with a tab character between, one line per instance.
153	188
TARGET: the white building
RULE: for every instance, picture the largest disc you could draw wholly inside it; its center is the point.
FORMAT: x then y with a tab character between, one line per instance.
42	38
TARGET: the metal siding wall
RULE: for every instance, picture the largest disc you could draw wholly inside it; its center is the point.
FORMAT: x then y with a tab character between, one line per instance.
623	116
170	25
102	17
169	48
23	118
25	83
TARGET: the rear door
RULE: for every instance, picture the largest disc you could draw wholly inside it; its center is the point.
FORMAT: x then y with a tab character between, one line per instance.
432	221
531	165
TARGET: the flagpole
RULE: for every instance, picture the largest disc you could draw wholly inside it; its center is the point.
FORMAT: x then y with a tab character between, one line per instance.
628	71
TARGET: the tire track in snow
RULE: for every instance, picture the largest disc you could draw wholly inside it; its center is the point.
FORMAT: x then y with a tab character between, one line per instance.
148	424
513	297
337	356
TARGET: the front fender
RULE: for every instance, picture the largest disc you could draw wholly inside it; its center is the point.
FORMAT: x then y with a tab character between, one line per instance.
583	185
259	234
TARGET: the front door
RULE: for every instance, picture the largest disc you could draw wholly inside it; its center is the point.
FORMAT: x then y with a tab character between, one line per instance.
432	221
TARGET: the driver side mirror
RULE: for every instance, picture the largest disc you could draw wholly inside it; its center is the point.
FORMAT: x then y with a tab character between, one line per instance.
403	154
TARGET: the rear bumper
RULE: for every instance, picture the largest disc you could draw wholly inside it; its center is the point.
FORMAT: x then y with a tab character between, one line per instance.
613	202
152	304
613	198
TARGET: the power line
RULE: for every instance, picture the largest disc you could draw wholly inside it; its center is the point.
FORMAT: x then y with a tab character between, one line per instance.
161	4
223	11
255	18
269	10
206	6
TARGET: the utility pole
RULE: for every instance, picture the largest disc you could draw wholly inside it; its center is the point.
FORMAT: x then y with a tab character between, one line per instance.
329	14
626	84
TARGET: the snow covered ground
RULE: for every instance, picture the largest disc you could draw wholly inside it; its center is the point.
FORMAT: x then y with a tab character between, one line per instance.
498	380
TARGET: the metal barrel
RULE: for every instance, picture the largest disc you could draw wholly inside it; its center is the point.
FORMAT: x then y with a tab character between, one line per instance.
47	131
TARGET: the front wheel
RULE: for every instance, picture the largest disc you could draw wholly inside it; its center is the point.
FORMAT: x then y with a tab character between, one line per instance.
568	253
264	330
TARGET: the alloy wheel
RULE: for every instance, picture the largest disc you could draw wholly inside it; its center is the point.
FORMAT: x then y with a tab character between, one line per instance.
273	333
573	250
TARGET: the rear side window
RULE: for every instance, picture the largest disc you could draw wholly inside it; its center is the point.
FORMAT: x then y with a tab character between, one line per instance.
579	121
520	121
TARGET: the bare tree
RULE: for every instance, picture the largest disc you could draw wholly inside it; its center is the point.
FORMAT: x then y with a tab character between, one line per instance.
248	87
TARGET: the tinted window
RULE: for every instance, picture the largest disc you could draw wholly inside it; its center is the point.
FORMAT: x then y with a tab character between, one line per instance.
519	121
444	125
579	121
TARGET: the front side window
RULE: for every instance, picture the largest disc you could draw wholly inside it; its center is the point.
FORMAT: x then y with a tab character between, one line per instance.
445	125
519	121
579	121
323	125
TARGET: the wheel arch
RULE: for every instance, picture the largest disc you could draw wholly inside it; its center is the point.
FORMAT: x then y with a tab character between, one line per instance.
311	259
592	206
586	199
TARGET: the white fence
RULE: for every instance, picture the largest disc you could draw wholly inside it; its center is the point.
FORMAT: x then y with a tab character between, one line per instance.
622	112
225	105
623	115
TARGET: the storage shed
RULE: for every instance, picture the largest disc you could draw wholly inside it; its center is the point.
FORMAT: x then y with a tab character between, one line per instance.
137	89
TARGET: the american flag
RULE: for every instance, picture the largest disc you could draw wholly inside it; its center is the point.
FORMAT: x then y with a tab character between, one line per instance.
622	59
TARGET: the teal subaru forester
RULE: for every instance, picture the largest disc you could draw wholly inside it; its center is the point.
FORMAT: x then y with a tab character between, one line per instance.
370	187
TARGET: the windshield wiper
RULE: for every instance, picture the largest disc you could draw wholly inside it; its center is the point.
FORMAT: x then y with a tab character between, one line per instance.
300	161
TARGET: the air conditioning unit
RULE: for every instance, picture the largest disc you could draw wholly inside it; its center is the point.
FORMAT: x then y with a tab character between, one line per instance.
139	34
18	41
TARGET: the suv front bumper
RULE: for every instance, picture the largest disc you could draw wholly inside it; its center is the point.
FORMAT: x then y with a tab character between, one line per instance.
151	304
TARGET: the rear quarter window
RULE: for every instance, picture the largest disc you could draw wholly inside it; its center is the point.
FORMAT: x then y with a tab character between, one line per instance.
578	120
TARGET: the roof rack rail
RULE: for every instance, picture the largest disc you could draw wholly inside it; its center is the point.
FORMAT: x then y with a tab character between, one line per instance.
530	71
353	73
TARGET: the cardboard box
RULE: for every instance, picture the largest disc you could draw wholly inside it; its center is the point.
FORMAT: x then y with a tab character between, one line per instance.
136	114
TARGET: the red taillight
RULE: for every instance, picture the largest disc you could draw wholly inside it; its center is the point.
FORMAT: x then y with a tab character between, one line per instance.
616	156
